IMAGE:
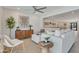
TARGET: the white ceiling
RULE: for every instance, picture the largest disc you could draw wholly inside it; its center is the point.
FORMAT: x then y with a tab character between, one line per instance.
30	8
50	9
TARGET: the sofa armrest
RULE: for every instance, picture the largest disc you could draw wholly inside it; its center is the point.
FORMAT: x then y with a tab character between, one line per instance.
36	38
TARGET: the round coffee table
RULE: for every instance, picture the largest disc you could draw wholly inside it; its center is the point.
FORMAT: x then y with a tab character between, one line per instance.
45	46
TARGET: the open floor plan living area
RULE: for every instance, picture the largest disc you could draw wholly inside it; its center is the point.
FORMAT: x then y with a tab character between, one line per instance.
39	29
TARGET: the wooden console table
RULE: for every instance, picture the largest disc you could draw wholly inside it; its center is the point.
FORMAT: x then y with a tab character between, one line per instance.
22	34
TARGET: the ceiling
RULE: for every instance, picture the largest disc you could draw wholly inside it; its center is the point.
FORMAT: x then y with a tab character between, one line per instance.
30	8
50	9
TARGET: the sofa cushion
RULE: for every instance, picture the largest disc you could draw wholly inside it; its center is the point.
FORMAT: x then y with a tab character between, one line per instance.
57	33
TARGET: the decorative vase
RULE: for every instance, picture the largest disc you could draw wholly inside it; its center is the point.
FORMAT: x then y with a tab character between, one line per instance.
46	39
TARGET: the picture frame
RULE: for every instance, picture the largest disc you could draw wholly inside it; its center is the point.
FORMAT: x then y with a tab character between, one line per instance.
74	26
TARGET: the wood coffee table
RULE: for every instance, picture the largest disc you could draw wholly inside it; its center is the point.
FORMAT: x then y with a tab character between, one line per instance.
45	46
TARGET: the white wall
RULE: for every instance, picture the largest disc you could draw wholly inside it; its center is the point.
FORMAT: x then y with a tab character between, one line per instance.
33	20
72	16
6	14
1	13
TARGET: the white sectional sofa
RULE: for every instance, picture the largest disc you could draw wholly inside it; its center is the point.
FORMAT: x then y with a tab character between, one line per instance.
62	43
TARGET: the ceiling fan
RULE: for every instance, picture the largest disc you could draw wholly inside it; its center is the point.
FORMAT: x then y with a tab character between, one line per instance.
36	9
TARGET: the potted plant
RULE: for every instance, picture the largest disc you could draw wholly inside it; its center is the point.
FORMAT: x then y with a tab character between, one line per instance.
46	39
17	28
10	23
30	26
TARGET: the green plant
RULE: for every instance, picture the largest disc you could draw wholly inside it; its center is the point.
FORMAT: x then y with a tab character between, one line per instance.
30	26
10	23
17	28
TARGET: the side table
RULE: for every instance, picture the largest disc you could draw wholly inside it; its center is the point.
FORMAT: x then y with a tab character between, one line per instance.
45	46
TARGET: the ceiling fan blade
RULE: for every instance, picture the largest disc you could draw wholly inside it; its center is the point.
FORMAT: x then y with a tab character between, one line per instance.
42	8
34	7
40	11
